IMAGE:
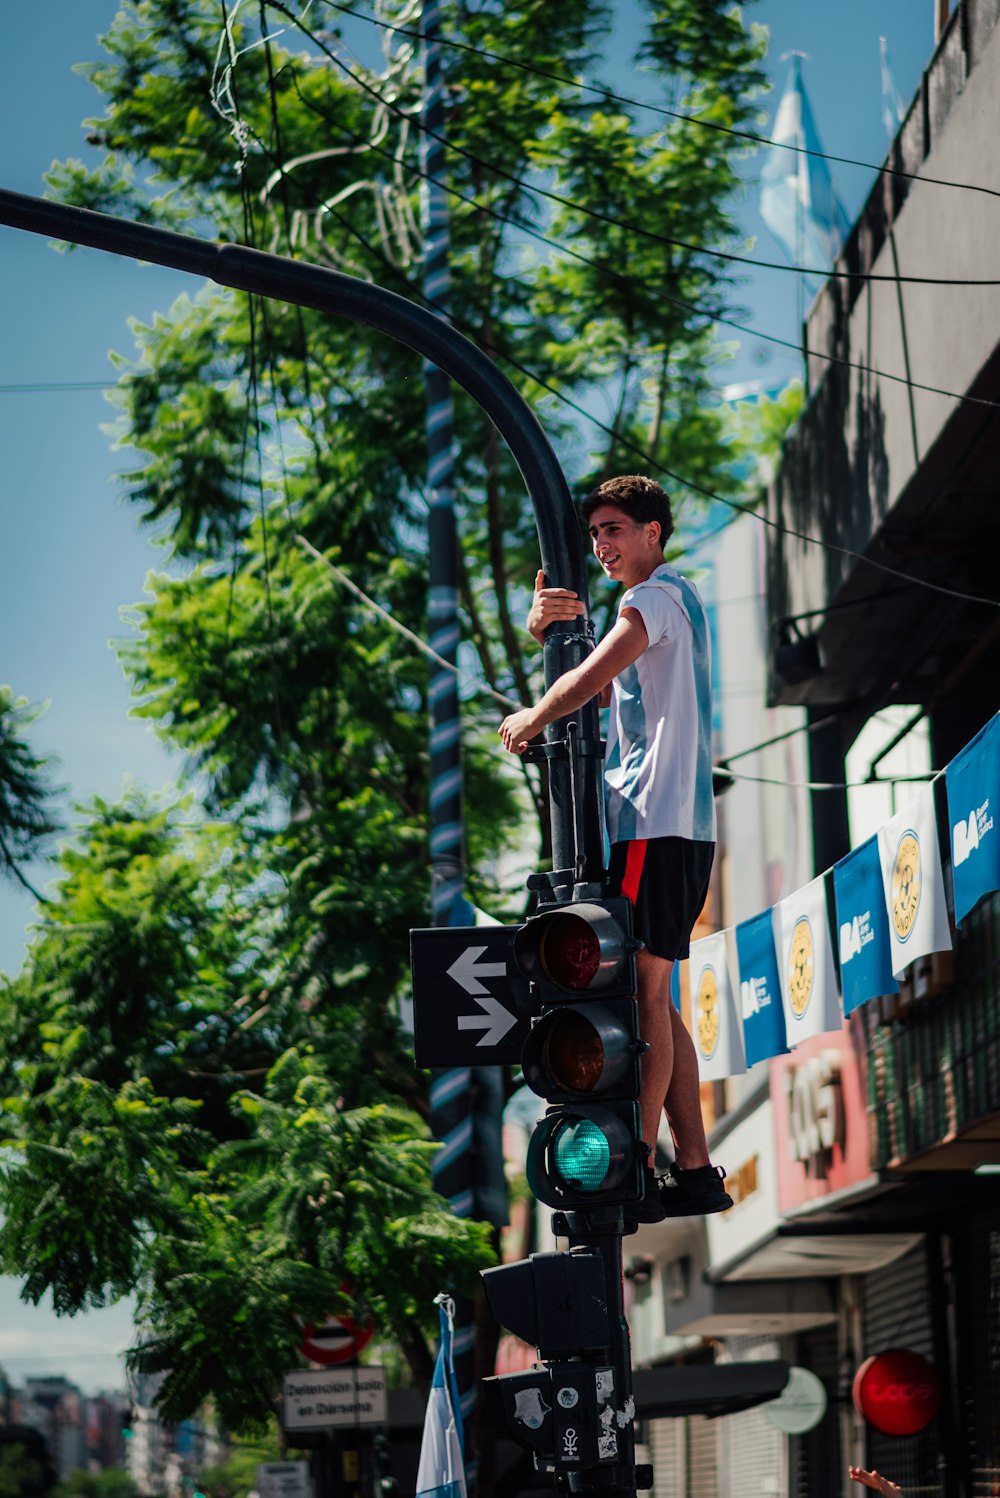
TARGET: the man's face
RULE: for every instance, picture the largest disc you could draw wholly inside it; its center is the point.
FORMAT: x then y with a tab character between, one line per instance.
627	549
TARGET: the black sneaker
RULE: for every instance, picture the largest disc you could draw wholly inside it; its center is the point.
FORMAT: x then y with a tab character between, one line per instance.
693	1193
651	1208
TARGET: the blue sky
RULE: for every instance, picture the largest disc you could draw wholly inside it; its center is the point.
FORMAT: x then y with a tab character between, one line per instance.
72	554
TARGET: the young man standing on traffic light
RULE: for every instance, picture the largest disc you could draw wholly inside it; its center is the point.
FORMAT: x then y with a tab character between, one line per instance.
653	669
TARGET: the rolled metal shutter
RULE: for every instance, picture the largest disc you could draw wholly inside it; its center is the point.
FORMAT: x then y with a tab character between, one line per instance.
666	1449
897	1313
815	1459
979	1338
702	1457
753	1458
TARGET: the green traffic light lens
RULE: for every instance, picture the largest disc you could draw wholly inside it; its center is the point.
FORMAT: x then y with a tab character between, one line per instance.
581	1155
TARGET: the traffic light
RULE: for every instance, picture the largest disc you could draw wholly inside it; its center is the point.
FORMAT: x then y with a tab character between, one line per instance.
564	1410
583	1054
574	1410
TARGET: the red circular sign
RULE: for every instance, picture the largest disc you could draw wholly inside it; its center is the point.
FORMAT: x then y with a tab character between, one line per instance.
898	1392
338	1340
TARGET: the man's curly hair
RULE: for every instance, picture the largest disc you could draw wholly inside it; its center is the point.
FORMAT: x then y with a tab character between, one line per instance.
637	497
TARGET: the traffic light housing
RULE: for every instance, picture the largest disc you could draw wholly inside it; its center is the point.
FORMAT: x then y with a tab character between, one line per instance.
574	1410
583	1054
554	1301
558	1303
585	946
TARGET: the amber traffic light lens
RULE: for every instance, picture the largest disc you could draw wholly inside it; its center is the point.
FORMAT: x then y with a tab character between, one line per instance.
574	1053
569	952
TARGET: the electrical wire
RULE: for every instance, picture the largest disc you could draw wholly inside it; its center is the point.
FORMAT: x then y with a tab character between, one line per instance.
242	134
623	278
44	386
826	785
625	443
673	114
481	688
595	213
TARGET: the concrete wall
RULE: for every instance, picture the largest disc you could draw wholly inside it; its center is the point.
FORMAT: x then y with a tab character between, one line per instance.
863	437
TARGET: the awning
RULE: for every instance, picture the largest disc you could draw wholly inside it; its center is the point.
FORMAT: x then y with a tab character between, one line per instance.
706	1388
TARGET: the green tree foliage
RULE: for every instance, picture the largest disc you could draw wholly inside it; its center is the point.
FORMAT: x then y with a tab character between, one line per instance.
112	1482
207	1100
26	790
24	1468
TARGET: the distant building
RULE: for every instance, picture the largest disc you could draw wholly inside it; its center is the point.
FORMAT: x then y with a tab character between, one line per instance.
55	1408
166	1458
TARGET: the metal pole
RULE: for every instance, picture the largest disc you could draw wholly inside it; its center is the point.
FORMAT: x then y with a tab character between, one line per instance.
329	291
561	545
453	1092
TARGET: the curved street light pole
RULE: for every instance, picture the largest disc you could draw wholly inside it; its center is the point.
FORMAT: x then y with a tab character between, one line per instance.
329	291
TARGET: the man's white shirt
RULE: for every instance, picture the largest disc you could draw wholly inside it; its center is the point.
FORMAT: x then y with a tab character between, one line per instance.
658	765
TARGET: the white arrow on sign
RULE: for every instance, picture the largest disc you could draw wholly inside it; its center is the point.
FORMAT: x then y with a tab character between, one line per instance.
467	971
495	1022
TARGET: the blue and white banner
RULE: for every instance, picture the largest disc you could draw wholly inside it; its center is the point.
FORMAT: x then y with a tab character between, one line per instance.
798	201
760	989
913	884
862	927
715	1023
441	1473
972	780
893	106
805	964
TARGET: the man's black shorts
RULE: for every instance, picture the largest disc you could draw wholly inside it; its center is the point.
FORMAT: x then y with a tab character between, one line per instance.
666	878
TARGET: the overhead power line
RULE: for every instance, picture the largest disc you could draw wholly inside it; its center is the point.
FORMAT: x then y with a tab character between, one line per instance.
690	484
673	114
52	385
623	278
678	244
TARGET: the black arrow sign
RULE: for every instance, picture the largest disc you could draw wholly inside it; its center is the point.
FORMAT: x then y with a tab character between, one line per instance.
470	1003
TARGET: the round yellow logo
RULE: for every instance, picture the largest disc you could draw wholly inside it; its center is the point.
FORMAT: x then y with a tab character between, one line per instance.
906	884
707	1013
800	967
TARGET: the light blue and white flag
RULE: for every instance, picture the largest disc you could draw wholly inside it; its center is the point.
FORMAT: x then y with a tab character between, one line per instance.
717	1027
893	108
798	201
808	978
913	883
441	1473
973	783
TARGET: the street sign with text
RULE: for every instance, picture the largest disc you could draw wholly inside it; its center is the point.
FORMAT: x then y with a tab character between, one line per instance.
284	1480
470	1002
321	1401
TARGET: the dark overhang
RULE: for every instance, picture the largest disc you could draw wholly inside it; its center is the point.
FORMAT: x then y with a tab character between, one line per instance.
706	1388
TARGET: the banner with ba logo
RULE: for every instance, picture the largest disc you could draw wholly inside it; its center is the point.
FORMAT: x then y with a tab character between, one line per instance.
760	989
862	927
805	964
913	884
715	1023
973	784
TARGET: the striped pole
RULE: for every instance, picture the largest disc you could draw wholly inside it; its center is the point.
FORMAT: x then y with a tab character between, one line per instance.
465	1102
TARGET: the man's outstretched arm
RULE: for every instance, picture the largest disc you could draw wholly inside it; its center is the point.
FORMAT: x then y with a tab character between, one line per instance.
619	648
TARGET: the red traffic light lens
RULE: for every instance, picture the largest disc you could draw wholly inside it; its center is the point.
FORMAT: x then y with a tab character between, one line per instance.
574	1052
570	951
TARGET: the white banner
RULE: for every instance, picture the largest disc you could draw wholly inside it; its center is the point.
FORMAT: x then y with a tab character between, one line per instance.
914	885
809	993
717	1030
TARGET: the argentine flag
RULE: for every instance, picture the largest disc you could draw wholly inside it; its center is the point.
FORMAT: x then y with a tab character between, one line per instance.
798	201
441	1473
